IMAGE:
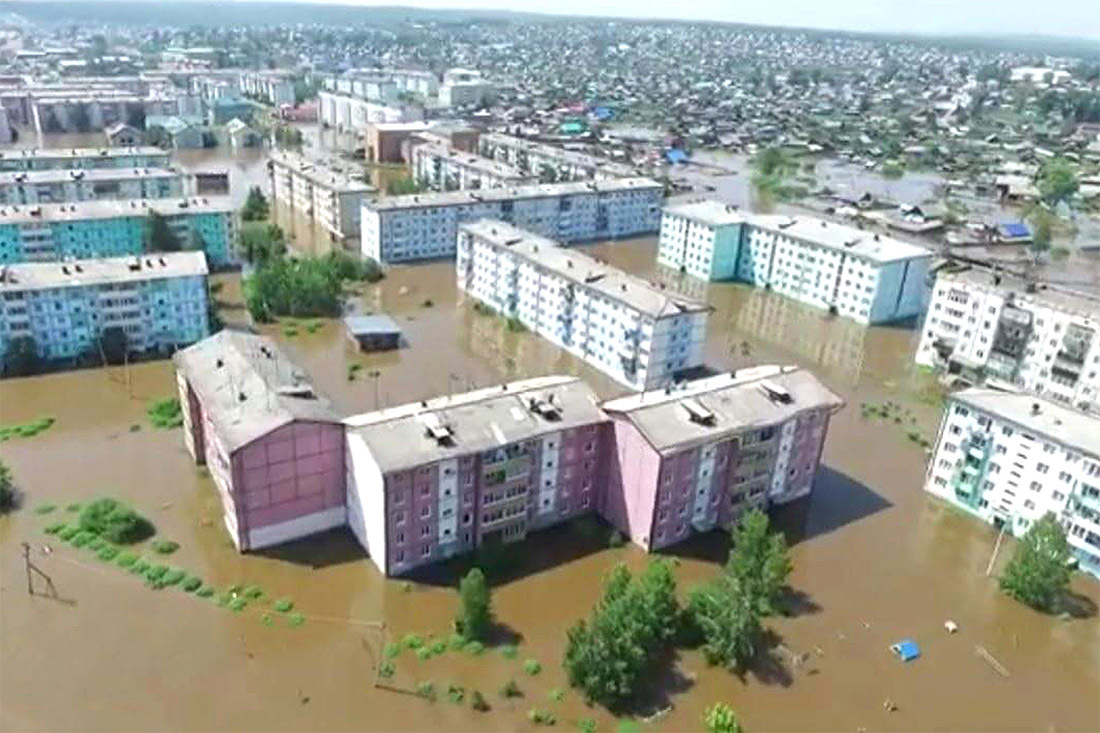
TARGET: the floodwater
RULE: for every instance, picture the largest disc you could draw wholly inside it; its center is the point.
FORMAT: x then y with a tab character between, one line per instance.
875	561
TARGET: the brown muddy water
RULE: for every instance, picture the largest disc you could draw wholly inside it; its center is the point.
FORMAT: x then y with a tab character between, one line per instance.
875	561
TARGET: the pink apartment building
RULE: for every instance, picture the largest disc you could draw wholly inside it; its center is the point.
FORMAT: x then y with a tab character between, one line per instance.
433	479
274	447
694	457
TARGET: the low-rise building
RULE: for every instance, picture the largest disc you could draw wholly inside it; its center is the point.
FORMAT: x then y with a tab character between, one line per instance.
122	135
159	301
698	455
440	168
986	325
1010	458
861	275
92	184
93	229
36	159
274	446
437	478
637	333
424	226
548	163
383	141
326	192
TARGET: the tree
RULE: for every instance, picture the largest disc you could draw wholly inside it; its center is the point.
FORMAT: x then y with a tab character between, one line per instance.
159	235
475	616
758	561
728	621
1042	224
1038	573
262	241
255	206
720	718
114	521
7	489
403	186
21	357
1057	181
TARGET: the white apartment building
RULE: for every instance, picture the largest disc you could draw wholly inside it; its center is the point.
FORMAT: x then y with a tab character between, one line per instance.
640	335
326	192
94	184
6	134
346	112
36	159
1012	457
442	168
702	239
548	163
273	87
158	300
424	226
993	326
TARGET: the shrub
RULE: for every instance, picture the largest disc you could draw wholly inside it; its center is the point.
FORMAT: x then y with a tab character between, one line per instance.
294	620
205	592
532	667
474	648
68	532
165	414
455	642
267	619
238	604
478	702
252	592
392	651
510	690
97	544
439	646
165	547
191	584
45	508
173	577
557	694
426	690
82	538
412	641
107	554
424	653
126	559
139	567
386	670
509	651
541	717
586	725
455	693
156	572
54	528
115	521
73	507
283	605
616	539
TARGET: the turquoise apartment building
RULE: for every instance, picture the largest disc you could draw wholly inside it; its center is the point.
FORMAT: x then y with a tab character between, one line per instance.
92	229
39	159
160	301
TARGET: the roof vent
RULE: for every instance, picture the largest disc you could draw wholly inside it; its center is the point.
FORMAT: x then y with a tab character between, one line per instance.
300	390
547	408
697	413
776	393
1035	408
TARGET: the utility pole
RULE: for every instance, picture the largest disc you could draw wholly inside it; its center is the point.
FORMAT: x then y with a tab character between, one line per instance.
996	549
376	375
33	570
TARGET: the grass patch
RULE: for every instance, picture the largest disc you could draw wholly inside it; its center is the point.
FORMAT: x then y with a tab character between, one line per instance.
557	694
541	717
205	592
354	369
474	648
191	583
252	592
532	667
313	327
26	430
165	414
54	528
165	547
45	508
426	690
267	619
628	726
126	559
386	670
456	693
283	605
290	331
392	651
75	506
294	620
509	651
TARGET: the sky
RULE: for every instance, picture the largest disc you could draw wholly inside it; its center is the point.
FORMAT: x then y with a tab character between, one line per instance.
1076	18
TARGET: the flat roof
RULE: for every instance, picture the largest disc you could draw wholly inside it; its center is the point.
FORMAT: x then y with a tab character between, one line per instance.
584	270
80	153
62	175
379	324
474	422
415	126
248	387
82	273
82	210
534	191
1054	296
735	401
571	156
840	237
469	160
708	212
1055	421
327	174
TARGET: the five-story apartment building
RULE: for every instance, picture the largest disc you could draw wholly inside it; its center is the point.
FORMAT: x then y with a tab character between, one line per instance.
548	163
328	193
89	184
37	159
441	168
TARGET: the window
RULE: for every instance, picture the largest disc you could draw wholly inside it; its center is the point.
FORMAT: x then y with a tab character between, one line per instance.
425	550
399	518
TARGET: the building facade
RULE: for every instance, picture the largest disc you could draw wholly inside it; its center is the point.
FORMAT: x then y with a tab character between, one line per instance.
328	194
159	301
442	477
1010	458
640	335
38	159
273	446
548	163
987	325
440	168
273	87
95	184
93	229
702	239
346	112
697	456
425	226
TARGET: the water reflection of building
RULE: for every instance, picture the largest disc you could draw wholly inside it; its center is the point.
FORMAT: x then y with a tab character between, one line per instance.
1011	458
836	344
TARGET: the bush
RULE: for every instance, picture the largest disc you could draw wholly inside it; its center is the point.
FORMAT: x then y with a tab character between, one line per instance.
82	538
439	646
424	653
126	559
541	717
386	670
205	592
252	592
191	584
68	533
478	702
294	620
474	648
412	641
510	690
156	572
509	651
45	508
114	521
107	554
532	667
426	690
7	489
283	605
392	651
165	547
586	725
557	694
616	540
165	414
54	528
455	693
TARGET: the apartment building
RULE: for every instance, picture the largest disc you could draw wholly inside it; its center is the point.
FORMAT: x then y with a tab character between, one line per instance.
633	331
1010	458
548	163
273	87
986	325
94	184
92	229
433	479
440	168
425	226
694	457
159	301
37	159
861	275
83	110
327	192
347	112
384	83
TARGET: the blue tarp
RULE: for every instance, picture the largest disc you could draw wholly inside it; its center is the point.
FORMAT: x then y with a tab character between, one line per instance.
906	649
675	155
1015	229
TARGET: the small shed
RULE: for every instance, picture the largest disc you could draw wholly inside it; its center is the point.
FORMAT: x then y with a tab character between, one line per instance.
121	135
906	649
373	333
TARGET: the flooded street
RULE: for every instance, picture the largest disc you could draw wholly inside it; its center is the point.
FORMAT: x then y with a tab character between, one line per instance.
875	559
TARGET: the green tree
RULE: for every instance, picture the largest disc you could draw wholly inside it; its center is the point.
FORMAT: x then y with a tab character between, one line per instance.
255	206
1038	573
1042	225
114	521
1057	181
262	241
759	561
728	621
7	489
114	344
403	186
475	615
159	236
720	718
21	357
